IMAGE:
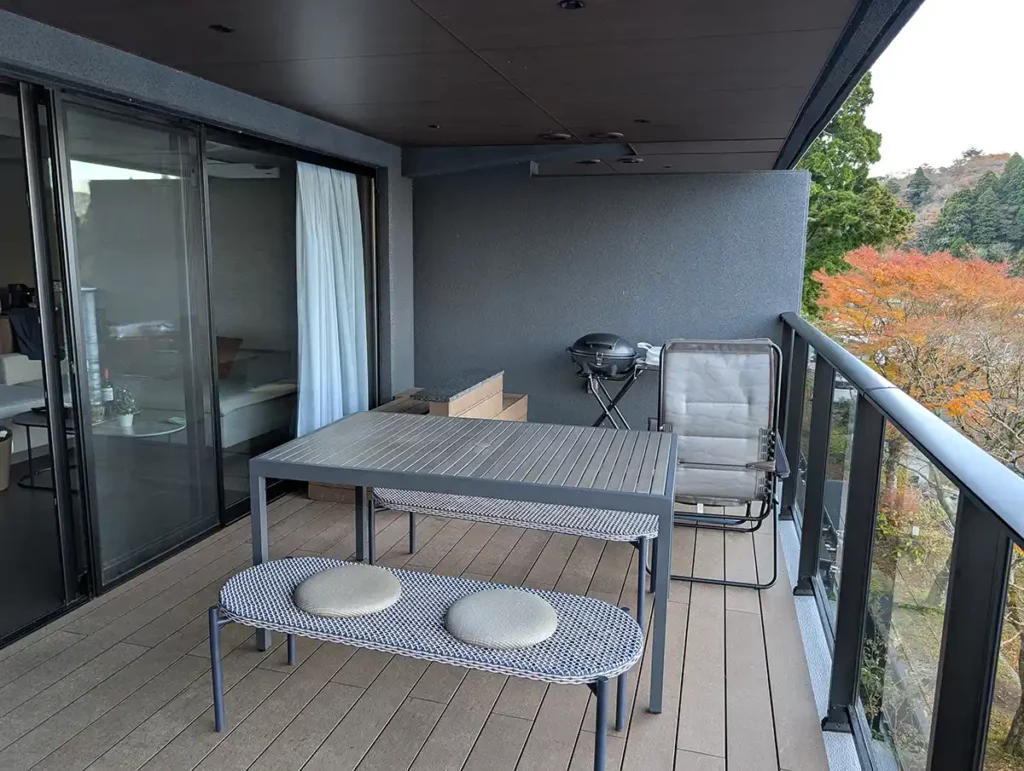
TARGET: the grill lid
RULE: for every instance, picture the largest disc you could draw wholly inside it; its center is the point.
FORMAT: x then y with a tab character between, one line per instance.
603	355
608	345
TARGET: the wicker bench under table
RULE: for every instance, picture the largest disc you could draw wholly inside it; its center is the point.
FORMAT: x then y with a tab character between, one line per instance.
593	643
601	524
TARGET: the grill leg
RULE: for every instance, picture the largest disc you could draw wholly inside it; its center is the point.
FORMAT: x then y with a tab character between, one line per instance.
293	653
215	668
641	582
412	532
601	725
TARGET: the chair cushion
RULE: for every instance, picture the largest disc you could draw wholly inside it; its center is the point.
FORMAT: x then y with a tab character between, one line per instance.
501	618
722	486
349	590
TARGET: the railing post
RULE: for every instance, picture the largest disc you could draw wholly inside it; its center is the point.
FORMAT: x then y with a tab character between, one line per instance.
971	636
858	540
793	415
817	460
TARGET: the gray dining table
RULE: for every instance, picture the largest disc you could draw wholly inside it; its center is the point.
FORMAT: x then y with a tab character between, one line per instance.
589	467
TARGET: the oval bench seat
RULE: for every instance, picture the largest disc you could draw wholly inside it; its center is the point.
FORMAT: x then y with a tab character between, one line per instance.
593	639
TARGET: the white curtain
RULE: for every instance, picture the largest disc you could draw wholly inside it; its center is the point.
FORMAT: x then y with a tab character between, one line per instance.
333	380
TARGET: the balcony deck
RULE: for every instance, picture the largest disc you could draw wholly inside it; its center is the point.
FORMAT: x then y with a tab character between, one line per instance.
123	682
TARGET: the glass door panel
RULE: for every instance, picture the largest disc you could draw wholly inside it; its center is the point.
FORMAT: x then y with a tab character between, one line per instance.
38	562
138	276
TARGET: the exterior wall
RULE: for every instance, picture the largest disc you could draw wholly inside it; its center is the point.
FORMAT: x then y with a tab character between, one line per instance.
41	53
512	269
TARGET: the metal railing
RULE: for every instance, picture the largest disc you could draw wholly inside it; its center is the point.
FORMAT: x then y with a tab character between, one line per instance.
989	521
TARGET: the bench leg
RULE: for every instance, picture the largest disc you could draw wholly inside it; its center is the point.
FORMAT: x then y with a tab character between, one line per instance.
641	582
293	654
654	561
601	724
412	532
620	701
216	669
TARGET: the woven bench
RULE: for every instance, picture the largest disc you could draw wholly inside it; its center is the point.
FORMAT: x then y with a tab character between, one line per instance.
594	642
602	524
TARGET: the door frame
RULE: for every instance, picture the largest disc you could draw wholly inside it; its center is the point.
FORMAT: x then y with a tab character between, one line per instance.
192	238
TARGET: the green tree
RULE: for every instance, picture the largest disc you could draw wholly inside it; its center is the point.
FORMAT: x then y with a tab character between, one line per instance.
956	220
989	217
919	189
848	208
1013	196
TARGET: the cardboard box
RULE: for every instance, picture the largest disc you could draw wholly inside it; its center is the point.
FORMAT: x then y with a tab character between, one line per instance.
489	408
514	407
470	398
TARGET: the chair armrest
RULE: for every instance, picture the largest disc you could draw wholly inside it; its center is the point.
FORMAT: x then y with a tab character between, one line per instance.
782	469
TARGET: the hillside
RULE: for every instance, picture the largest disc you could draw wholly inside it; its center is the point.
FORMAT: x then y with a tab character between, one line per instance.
963	174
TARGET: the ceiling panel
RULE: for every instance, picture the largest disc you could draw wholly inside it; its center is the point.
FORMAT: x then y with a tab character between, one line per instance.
365	79
538	23
665	164
500	121
496	71
750	62
693	148
178	33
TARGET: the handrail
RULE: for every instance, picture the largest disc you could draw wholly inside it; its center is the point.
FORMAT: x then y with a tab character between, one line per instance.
967	465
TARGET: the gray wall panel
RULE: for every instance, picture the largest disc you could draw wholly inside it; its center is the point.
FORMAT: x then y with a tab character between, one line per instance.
512	269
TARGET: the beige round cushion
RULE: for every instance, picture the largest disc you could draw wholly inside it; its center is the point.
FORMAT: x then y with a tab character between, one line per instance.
349	590
501	618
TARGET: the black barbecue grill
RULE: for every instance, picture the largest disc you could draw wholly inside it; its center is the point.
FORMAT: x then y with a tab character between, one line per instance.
599	357
604	355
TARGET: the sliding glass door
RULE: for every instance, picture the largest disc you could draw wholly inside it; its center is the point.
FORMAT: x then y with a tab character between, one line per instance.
133	207
42	552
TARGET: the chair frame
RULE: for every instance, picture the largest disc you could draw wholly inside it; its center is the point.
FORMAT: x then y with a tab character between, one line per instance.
775	468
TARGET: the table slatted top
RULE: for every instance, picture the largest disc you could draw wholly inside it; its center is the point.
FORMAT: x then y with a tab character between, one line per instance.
492	458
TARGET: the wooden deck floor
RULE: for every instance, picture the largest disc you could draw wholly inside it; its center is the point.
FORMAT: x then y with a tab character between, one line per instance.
123	682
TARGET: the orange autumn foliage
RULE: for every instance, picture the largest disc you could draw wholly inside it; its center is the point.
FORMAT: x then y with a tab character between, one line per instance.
950	332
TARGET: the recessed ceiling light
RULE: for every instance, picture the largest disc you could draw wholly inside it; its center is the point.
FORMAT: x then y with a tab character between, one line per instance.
433	126
640	120
589	161
631	159
607	135
571	5
556	136
223	28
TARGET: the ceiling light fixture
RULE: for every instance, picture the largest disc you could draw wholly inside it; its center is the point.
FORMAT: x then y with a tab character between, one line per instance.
631	159
611	135
571	5
433	126
222	28
556	136
589	161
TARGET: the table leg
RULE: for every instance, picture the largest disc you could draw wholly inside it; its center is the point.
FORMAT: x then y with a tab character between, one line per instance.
260	543
361	524
28	449
663	567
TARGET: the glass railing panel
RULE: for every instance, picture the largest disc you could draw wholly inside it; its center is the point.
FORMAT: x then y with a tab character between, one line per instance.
906	606
1005	746
805	436
837	481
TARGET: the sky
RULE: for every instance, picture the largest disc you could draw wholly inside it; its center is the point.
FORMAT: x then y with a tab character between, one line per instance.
953	78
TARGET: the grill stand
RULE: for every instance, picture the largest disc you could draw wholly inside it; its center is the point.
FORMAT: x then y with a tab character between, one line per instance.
610	404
